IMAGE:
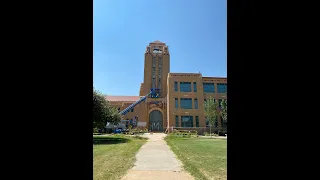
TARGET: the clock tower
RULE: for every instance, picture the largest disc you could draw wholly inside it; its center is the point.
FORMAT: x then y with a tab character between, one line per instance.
156	69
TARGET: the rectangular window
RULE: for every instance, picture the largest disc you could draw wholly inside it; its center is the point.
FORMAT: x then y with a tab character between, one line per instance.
207	121
186	121
197	121
153	83
159	83
177	121
176	86
220	100
154	77
222	88
160	62
208	87
176	102
185	86
153	61
196	103
216	123
194	87
186	103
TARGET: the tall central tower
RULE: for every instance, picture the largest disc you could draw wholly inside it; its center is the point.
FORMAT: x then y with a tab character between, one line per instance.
156	68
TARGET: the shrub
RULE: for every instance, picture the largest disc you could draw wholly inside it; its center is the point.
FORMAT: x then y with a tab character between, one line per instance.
95	130
208	134
138	130
223	133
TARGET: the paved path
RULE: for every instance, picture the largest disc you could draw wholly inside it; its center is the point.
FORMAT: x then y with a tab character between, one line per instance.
155	161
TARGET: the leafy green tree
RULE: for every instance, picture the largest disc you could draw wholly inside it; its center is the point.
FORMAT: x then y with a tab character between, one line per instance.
102	111
114	116
211	111
223	110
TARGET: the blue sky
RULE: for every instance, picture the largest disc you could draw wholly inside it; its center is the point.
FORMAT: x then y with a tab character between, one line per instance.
195	31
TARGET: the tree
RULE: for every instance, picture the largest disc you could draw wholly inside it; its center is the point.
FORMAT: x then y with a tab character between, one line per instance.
114	117
102	111
223	110
211	111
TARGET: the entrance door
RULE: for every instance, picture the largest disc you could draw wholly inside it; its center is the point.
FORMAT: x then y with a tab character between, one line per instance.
155	121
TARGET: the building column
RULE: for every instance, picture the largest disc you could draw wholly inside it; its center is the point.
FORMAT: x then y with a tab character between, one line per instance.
192	100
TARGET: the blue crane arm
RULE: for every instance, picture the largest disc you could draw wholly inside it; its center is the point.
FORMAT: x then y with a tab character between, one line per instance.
126	110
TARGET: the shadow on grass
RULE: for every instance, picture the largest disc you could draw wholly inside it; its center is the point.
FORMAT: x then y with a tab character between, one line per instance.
107	140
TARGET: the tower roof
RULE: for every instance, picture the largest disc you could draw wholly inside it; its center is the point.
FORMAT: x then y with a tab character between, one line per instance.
157	42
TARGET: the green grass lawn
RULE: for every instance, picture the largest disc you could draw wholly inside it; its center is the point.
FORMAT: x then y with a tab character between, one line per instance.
203	158
114	155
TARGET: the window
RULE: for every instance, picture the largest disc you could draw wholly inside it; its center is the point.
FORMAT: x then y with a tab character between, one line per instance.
185	86
186	103
208	87
159	74
153	77
220	100
127	123
177	121
160	62
176	102
132	110
207	122
175	86
153	83
186	121
224	123
153	61
222	88
159	84
194	87
196	103
197	121
216	123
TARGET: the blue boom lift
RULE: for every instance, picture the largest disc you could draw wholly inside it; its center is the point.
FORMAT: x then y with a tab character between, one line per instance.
154	93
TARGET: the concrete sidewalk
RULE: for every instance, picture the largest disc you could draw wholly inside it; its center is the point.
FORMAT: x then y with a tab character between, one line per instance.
155	161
